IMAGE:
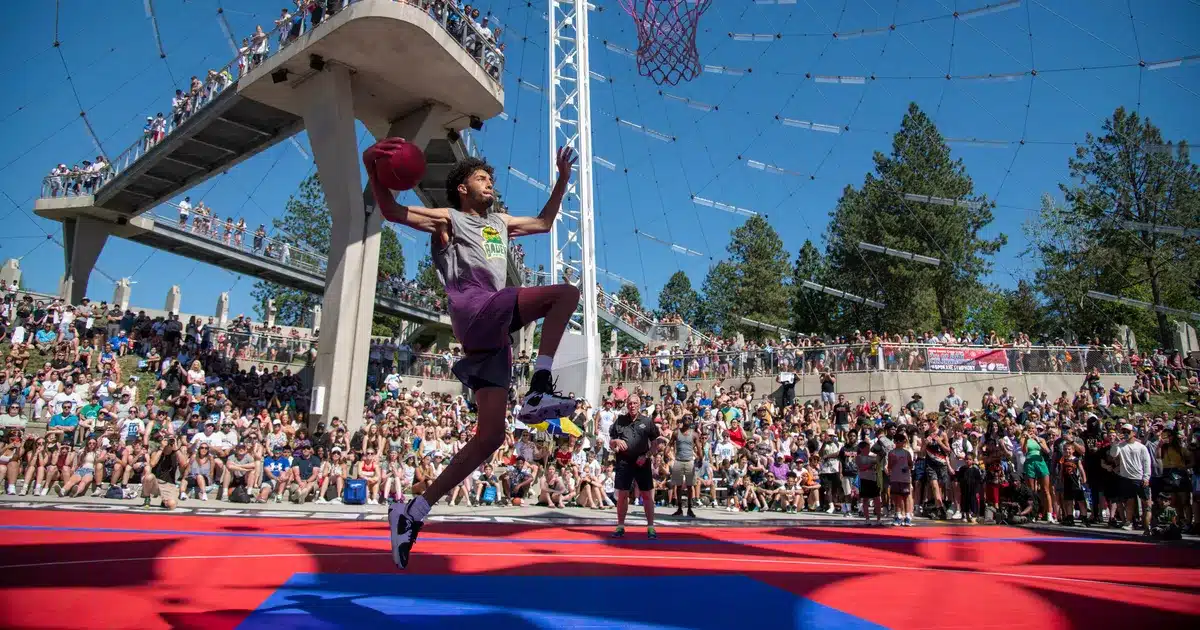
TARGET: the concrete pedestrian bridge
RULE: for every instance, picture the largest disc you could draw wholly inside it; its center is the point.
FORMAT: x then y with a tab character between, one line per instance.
393	66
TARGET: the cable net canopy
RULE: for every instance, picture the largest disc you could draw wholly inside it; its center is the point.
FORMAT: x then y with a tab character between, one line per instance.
667	38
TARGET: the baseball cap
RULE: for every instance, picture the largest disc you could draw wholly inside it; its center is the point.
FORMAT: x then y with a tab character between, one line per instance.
1127	427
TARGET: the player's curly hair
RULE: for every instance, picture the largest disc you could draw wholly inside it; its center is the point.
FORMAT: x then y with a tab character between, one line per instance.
460	173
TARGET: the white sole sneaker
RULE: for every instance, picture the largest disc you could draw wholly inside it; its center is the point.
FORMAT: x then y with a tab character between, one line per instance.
402	532
537	407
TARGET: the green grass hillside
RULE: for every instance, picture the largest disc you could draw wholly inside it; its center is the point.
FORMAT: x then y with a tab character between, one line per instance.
128	364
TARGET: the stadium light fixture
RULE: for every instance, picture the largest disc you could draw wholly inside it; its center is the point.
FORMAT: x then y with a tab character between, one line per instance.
1139	226
1108	297
837	293
879	249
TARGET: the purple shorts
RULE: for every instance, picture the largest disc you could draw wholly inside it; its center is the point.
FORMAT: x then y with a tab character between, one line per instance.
482	322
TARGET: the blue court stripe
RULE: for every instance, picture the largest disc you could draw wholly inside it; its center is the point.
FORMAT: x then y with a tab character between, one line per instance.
549	541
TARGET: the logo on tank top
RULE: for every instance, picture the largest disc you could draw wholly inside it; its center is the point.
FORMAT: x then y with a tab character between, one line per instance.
493	244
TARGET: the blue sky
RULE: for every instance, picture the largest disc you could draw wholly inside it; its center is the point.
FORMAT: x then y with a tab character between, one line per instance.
111	53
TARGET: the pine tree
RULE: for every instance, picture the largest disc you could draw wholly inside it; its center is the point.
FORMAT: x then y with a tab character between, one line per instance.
761	272
811	311
391	265
678	298
1129	172
1026	312
919	296
719	300
305	226
629	294
427	277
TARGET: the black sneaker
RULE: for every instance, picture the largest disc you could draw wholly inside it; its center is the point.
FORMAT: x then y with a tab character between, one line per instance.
403	532
619	532
690	513
542	402
678	512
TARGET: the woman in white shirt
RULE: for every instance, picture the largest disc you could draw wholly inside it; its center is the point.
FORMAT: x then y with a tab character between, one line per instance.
261	45
195	379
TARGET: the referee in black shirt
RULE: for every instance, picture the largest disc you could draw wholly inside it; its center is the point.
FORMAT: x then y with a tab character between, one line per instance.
633	440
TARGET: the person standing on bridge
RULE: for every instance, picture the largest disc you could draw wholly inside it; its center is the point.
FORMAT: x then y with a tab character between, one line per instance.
469	243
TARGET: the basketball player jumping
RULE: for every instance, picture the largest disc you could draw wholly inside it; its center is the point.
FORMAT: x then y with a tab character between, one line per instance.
469	244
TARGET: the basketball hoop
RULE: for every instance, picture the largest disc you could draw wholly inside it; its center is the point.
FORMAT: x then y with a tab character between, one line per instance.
667	38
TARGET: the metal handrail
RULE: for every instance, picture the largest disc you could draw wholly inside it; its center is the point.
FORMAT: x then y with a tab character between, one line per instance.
297	258
647	323
69	185
260	343
434	8
224	79
421	298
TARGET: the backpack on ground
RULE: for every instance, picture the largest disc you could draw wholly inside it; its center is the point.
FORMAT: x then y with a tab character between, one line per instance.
239	495
355	492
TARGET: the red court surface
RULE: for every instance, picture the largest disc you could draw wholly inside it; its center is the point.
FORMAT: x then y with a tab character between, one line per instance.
95	570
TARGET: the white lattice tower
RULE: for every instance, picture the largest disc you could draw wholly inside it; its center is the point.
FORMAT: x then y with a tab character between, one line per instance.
572	241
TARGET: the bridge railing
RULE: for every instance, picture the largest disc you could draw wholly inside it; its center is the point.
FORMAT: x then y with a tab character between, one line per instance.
279	251
467	34
215	83
447	14
254	345
629	315
227	234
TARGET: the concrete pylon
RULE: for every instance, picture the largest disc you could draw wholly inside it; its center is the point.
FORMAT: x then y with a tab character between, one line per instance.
10	272
1127	338
222	313
121	293
83	240
612	340
174	299
1185	338
65	287
340	376
316	317
271	310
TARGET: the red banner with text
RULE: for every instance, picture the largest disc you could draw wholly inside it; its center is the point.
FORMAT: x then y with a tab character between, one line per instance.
967	359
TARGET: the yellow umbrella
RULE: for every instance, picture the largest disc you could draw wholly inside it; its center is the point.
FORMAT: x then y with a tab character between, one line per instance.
558	426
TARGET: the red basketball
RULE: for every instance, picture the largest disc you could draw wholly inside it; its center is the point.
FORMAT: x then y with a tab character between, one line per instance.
403	170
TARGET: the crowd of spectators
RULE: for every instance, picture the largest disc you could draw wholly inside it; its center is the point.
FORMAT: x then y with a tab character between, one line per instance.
411	292
243	338
109	421
79	179
630	312
202	220
473	30
476	32
187	422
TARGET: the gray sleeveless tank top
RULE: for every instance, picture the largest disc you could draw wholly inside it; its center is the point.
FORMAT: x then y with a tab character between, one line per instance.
476	257
685	450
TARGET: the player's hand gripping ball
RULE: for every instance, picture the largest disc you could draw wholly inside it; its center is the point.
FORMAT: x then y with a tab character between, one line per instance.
399	165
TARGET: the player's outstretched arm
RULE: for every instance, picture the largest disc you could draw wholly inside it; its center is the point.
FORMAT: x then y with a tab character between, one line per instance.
429	220
523	226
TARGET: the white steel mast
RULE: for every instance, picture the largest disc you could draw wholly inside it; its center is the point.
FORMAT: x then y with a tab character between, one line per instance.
572	240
